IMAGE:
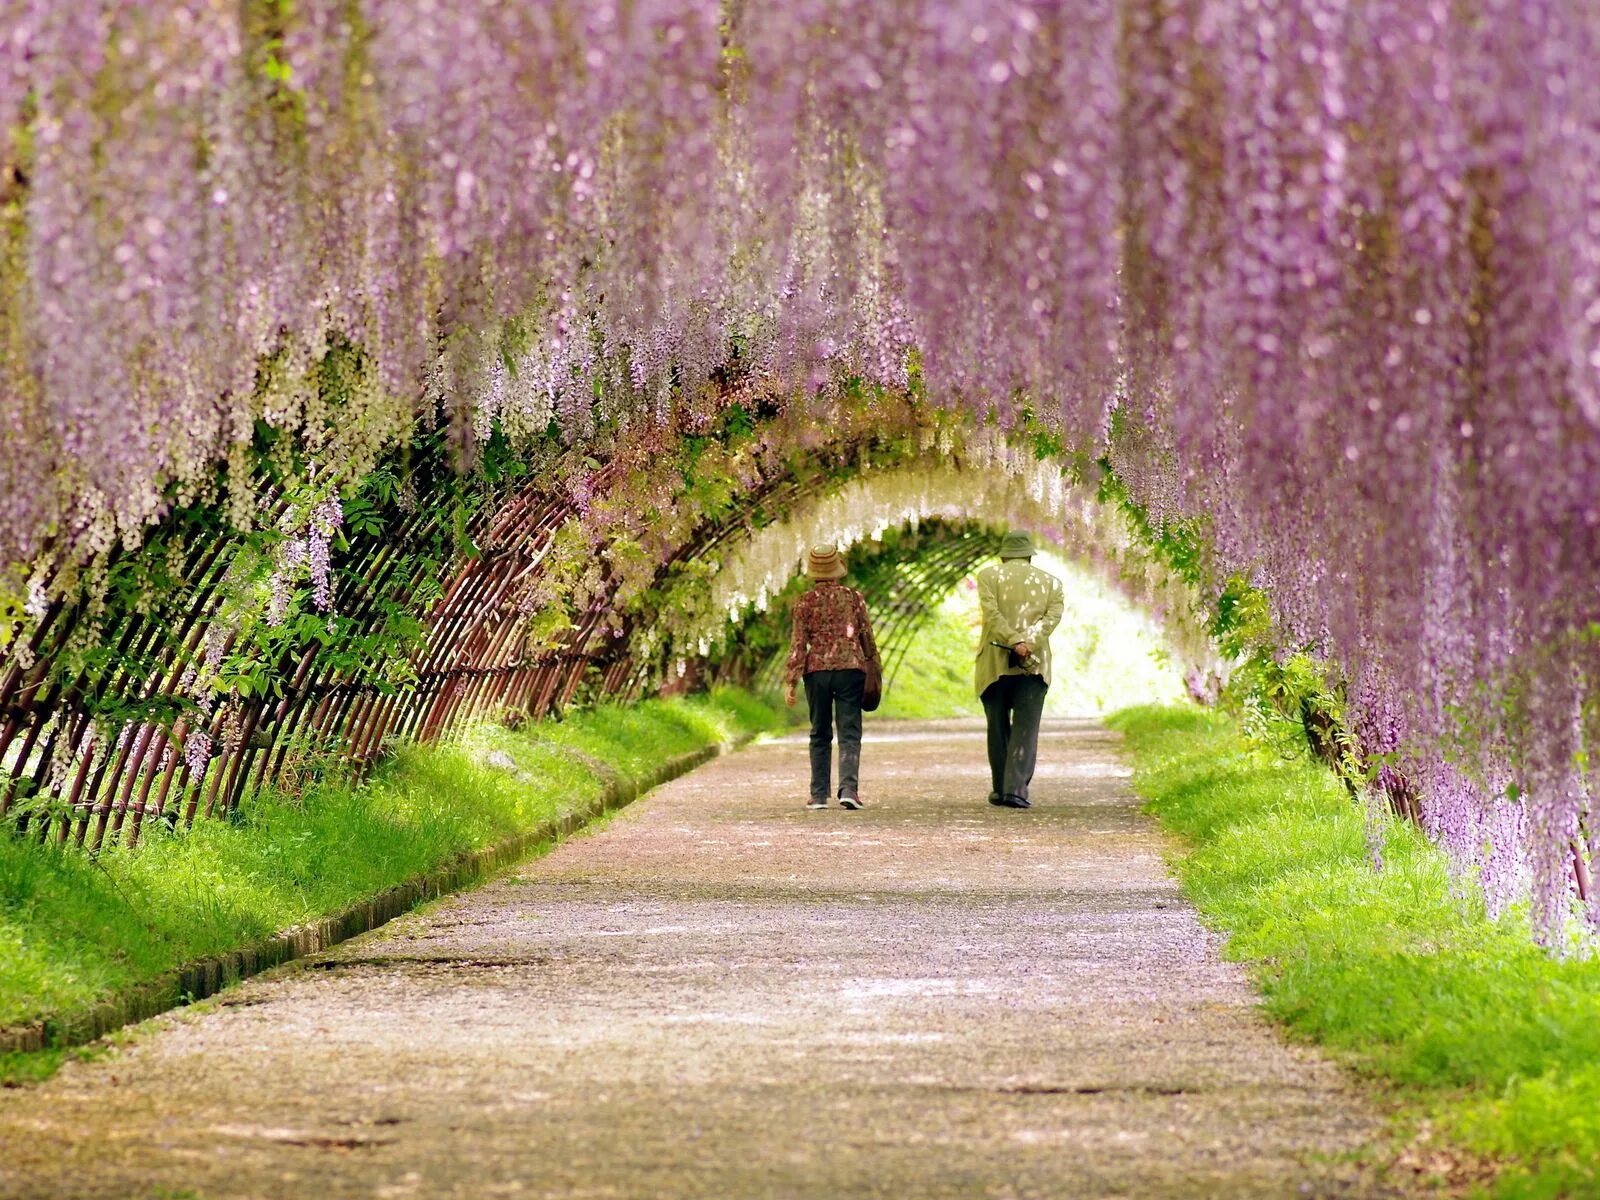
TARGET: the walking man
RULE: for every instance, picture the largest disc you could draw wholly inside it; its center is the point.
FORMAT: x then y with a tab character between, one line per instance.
1021	607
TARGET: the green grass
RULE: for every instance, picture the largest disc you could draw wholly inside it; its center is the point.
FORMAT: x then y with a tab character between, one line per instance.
74	930
1486	1035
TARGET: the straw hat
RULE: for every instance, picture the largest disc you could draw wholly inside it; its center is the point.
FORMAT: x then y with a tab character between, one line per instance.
1016	544
823	561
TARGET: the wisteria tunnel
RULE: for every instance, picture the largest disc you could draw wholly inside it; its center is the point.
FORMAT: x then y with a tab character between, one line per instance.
372	371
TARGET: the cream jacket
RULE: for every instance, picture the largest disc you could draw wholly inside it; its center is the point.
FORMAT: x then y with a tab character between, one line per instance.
1020	603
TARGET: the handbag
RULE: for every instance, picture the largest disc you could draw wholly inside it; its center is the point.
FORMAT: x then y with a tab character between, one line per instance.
872	689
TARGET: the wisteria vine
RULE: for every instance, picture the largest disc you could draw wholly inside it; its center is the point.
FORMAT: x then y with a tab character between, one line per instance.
1320	277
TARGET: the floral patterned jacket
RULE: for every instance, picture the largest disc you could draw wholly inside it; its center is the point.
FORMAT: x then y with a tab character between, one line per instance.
832	631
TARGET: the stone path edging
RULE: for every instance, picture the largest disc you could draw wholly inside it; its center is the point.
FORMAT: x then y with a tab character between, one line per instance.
205	977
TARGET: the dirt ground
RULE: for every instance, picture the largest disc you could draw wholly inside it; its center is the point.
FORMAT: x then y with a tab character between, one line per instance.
721	994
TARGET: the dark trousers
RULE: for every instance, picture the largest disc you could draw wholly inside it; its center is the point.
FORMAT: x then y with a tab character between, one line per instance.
835	696
1013	705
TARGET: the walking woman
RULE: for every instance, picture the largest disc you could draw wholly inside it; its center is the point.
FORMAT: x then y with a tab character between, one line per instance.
833	651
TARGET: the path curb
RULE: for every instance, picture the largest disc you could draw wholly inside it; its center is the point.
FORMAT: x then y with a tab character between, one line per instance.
206	977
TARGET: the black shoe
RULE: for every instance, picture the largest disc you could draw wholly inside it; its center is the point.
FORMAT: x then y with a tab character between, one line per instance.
994	798
1009	802
816	804
849	802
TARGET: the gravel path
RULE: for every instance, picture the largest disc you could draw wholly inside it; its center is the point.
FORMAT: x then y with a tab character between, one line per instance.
724	995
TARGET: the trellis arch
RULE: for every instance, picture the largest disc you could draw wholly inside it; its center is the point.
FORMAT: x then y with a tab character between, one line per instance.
978	499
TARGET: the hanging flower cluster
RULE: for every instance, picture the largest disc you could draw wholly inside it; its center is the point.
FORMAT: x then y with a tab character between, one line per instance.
1364	339
1325	276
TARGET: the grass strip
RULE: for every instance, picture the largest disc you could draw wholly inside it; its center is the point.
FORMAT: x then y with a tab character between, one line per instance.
75	930
934	678
1489	1040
